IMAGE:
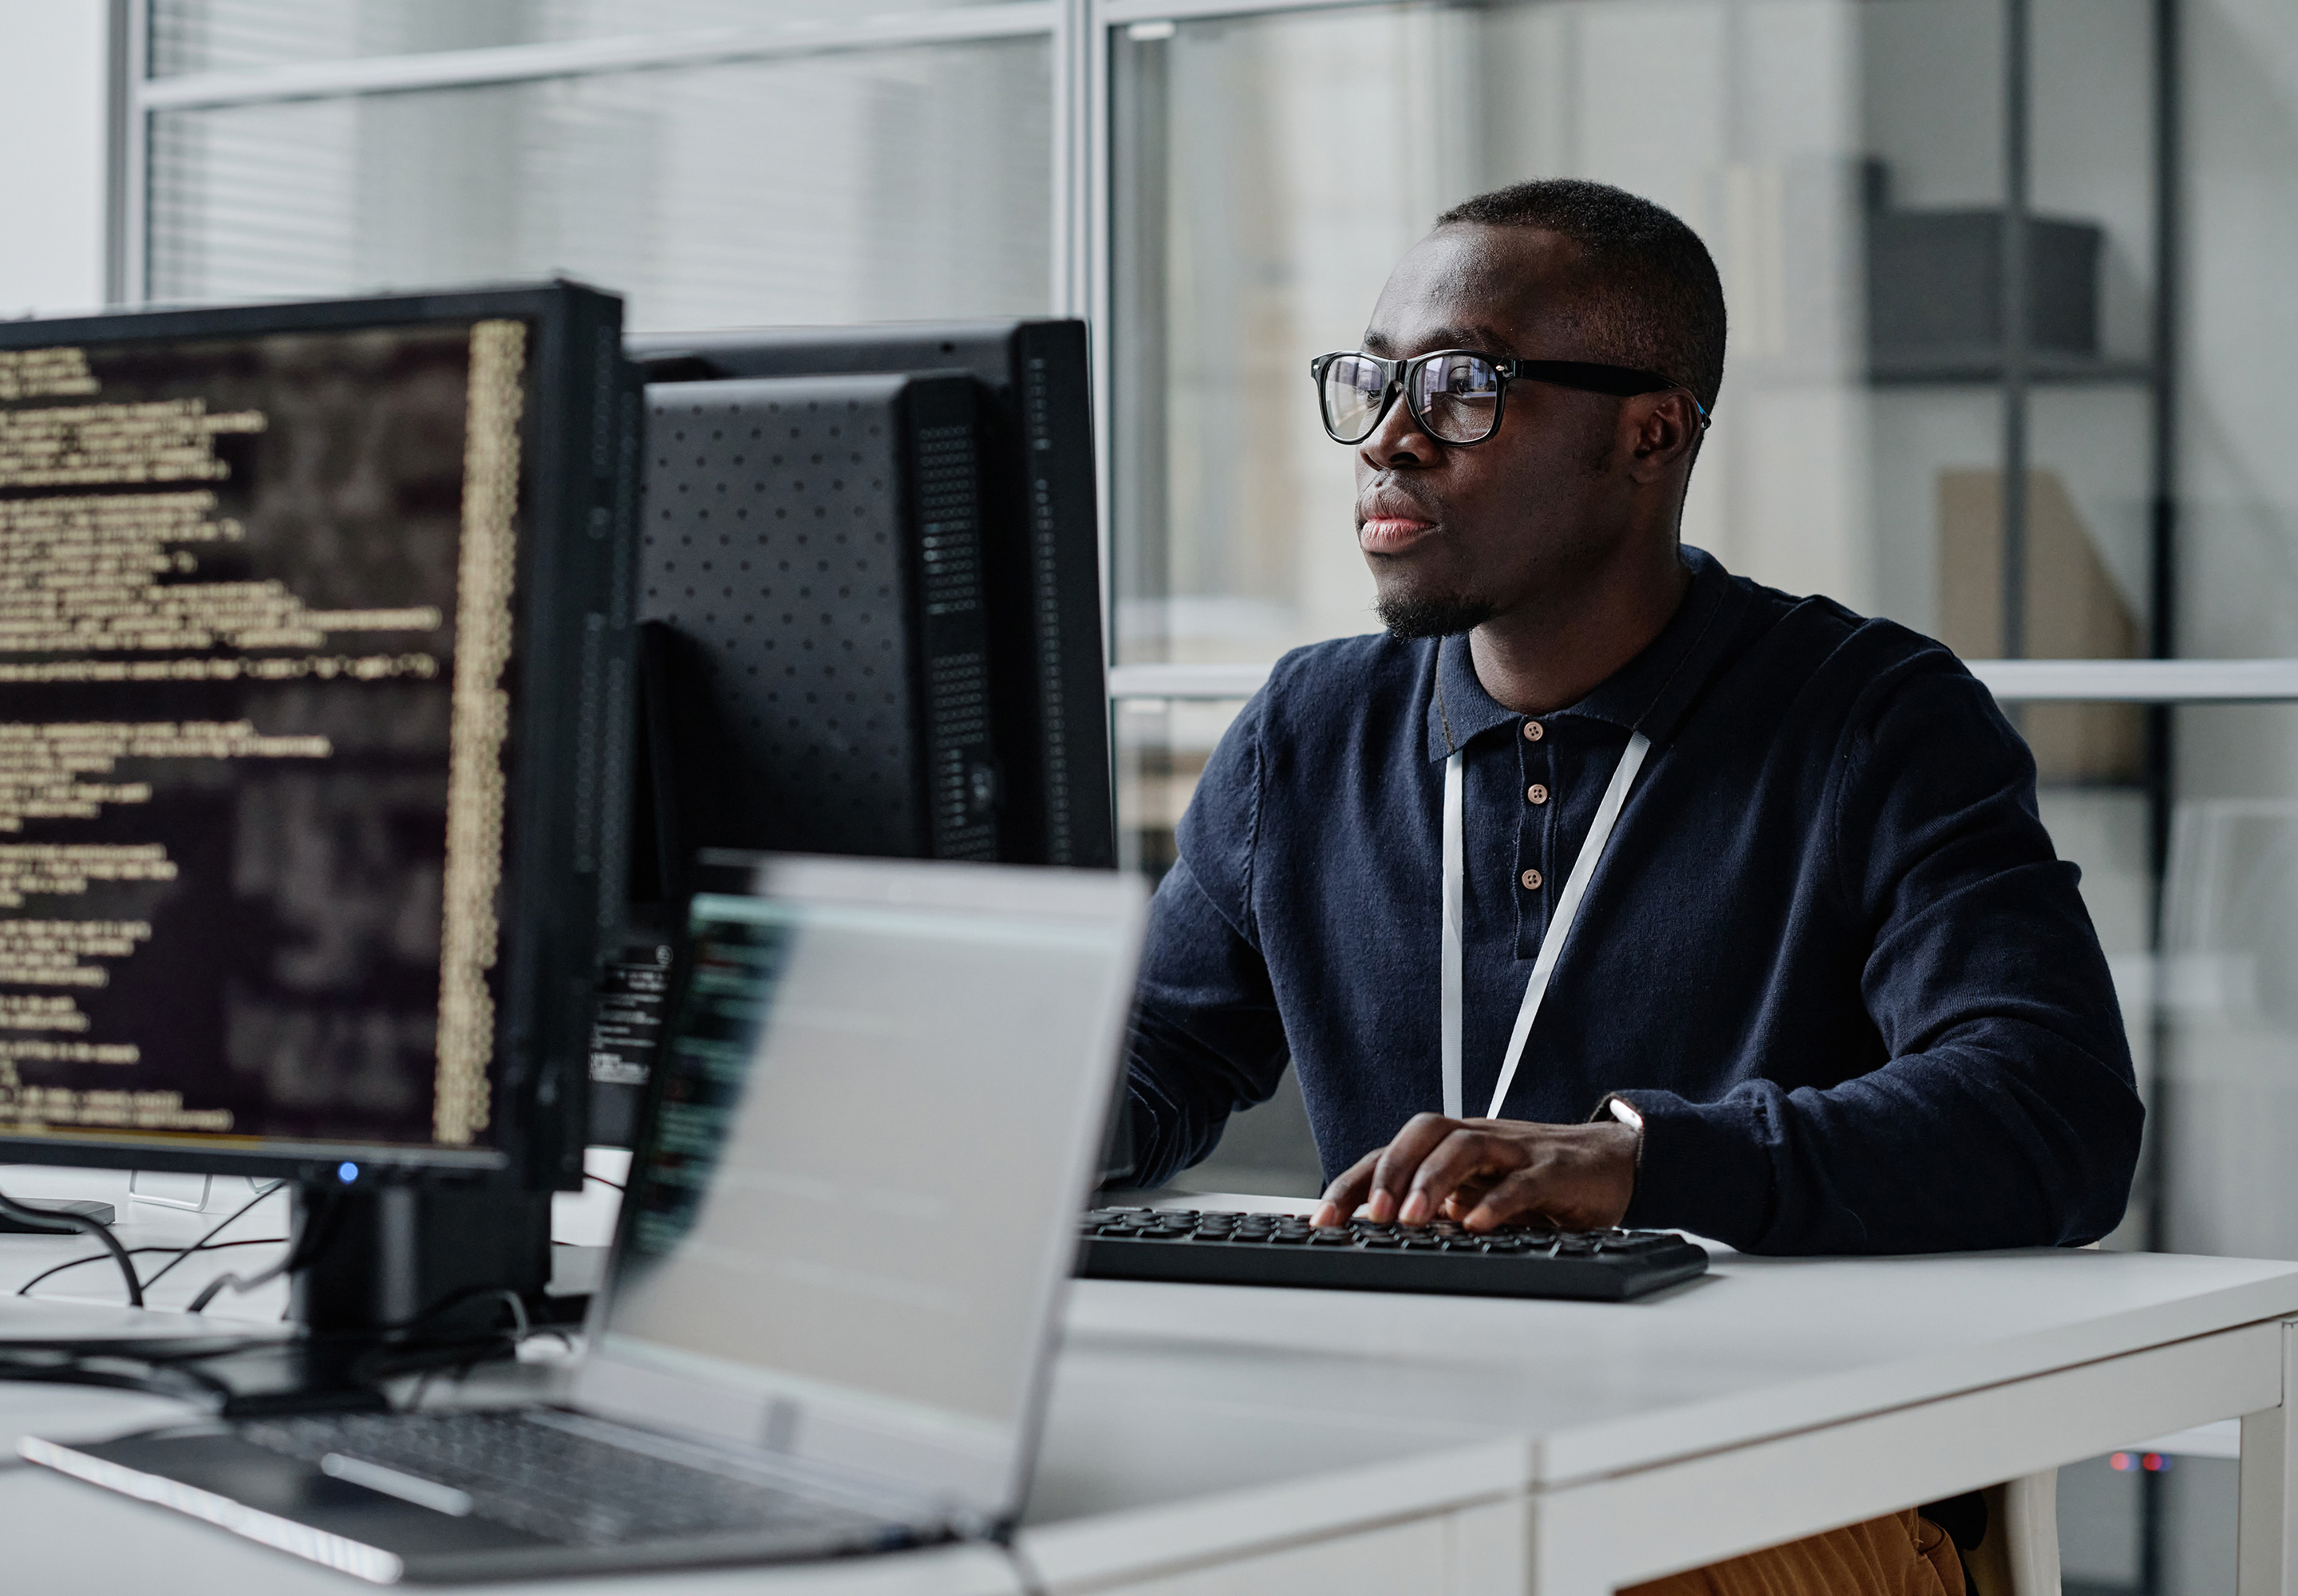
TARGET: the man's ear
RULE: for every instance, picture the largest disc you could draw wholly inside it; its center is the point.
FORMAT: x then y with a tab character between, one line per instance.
1664	429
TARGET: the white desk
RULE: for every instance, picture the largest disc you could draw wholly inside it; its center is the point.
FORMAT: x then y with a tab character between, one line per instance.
1229	1442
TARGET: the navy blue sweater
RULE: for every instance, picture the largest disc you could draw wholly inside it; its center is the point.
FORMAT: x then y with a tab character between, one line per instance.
1830	953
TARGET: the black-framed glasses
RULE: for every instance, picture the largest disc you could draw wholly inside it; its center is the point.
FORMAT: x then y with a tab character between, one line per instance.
1456	395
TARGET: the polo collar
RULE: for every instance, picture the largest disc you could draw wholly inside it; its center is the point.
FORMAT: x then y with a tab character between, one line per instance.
1649	694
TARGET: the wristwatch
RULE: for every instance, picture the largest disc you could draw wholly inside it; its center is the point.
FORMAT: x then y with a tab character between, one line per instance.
1629	1115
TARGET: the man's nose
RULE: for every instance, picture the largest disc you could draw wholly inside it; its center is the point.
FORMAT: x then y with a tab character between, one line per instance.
1399	443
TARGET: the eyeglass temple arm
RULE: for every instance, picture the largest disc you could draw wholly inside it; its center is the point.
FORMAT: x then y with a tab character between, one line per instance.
1613	379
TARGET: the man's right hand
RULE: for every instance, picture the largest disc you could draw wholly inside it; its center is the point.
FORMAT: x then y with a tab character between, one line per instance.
1485	1173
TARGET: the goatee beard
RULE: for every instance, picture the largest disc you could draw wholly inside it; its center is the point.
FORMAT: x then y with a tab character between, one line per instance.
1409	615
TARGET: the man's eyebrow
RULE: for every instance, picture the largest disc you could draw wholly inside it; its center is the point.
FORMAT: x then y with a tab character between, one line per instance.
1484	339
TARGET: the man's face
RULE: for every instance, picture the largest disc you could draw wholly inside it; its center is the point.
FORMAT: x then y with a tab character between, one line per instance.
1457	534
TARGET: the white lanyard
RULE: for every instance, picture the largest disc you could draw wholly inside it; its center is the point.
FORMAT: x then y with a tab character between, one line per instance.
1560	923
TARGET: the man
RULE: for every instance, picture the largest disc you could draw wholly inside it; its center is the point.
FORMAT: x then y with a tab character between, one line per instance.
1825	987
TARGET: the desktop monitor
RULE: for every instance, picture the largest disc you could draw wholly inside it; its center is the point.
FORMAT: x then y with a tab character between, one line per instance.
1041	595
871	594
811	573
315	628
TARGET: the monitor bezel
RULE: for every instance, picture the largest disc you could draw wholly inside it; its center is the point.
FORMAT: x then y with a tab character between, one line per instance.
539	1100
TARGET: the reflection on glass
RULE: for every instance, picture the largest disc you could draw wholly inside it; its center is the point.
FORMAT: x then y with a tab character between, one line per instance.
892	185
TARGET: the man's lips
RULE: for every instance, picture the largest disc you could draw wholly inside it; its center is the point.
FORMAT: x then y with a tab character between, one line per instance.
1390	531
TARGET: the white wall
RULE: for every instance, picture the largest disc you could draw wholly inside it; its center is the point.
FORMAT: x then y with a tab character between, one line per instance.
53	67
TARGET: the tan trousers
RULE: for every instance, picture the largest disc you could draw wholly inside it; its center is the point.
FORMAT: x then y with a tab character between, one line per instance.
1902	1555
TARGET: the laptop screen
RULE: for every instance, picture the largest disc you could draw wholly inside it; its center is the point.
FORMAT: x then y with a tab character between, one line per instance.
858	1191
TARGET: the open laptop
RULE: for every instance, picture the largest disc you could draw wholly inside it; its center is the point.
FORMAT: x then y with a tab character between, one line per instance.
829	1316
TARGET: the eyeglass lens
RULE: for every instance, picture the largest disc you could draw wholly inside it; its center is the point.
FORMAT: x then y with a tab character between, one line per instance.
1353	390
1458	397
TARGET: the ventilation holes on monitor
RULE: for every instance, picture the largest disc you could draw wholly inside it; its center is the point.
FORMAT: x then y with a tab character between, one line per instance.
827	473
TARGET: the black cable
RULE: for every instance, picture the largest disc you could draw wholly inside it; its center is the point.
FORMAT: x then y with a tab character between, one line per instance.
610	1185
215	1288
47	1218
25	1290
309	1242
213	1231
120	1371
521	1326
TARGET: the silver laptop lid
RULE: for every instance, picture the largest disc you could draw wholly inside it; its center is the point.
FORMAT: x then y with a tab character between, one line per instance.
850	1223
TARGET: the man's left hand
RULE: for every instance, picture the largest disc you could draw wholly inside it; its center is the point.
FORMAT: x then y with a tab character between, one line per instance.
1484	1173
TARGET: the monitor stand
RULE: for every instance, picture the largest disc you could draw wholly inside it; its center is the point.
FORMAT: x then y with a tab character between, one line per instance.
392	1278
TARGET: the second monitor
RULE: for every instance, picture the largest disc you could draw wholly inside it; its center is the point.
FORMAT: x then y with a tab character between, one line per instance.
982	456
871	580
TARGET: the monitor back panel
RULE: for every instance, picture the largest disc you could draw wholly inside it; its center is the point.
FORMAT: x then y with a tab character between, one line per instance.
1040	550
811	560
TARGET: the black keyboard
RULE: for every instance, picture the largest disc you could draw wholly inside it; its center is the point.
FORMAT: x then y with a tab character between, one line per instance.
1264	1249
560	1477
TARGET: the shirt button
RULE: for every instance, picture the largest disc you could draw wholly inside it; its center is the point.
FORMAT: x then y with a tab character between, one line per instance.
1535	794
1534	731
1530	879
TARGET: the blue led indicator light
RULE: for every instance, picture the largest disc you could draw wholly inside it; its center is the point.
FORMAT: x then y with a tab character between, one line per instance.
347	1173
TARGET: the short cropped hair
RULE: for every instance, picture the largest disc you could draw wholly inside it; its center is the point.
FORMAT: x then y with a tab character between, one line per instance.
1655	298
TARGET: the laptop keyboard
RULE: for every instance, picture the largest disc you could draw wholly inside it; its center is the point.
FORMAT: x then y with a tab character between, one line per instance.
550	1480
1260	1249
